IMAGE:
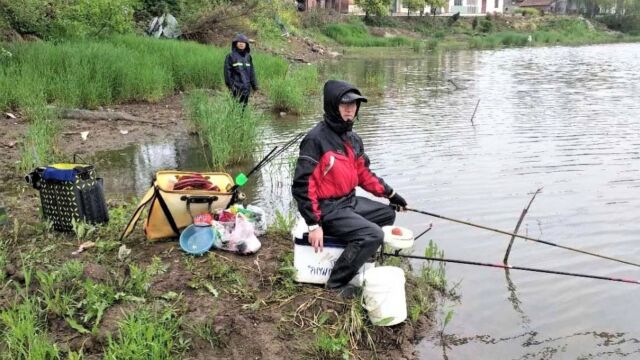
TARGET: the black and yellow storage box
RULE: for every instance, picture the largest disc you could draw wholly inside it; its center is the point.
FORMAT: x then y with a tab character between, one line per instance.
70	192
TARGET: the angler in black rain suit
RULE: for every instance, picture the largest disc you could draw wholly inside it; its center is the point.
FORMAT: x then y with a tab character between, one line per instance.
239	74
331	164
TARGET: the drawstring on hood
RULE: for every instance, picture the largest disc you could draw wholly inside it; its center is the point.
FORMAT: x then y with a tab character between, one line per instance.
334	90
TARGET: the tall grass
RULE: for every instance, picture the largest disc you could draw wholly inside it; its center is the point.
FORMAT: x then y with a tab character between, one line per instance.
356	34
88	74
24	337
229	130
146	335
39	142
3	249
290	92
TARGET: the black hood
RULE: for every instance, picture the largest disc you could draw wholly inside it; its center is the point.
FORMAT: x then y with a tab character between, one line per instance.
241	38
334	90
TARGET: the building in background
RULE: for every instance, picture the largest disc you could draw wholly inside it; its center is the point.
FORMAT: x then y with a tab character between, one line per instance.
464	7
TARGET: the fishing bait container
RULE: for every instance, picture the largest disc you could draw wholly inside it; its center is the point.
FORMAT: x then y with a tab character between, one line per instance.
402	242
315	268
384	295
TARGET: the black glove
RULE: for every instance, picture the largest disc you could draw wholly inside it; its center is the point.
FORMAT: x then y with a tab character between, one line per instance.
397	202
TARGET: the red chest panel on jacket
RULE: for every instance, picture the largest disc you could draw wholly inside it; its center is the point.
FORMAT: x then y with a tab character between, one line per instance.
336	174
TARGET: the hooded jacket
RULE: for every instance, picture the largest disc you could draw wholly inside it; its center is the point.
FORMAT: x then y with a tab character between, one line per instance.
239	74
332	161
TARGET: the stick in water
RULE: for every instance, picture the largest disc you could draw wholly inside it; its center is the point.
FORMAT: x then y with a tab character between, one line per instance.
515	231
474	111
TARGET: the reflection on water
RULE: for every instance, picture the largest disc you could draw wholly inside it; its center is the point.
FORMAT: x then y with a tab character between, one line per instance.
557	347
129	172
561	118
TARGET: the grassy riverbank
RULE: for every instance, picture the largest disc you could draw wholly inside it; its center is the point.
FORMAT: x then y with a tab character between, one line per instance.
153	301
89	74
429	33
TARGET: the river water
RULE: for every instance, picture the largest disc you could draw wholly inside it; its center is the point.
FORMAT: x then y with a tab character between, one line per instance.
566	119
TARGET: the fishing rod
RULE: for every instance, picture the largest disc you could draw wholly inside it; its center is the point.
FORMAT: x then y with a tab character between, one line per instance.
241	178
284	148
511	267
524	237
273	155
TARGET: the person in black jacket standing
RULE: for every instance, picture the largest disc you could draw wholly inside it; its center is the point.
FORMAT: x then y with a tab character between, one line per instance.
331	164
239	73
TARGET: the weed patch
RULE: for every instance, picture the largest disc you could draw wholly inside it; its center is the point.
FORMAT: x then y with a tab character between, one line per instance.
144	334
24	336
282	223
331	347
206	331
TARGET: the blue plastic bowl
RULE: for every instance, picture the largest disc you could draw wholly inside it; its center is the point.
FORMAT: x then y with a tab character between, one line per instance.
197	240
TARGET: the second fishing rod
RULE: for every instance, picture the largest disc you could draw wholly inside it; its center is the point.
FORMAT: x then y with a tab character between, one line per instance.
523	237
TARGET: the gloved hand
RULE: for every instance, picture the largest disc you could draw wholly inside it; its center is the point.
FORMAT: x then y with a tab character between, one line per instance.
397	202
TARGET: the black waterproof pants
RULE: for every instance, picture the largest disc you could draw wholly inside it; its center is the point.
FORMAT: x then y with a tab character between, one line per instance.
241	95
357	221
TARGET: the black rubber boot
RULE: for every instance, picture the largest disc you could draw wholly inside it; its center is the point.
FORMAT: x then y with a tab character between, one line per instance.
358	224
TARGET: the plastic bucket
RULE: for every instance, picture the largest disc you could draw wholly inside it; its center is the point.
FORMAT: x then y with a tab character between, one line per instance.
403	241
384	296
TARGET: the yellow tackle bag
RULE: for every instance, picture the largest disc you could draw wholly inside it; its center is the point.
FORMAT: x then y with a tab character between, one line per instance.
170	211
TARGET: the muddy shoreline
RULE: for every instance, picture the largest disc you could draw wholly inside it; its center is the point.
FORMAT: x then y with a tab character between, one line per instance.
264	316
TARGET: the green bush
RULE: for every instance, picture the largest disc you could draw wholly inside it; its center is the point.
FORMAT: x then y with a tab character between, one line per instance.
527	11
514	39
546	37
88	74
626	24
356	34
486	26
384	21
269	67
59	19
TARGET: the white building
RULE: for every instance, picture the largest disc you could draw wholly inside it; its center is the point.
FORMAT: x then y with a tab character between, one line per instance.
464	7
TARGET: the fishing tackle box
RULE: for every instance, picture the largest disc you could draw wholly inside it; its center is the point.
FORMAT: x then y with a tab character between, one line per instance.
171	211
69	192
315	268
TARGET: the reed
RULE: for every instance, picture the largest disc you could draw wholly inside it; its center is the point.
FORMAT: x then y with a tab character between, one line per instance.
39	141
290	92
229	130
